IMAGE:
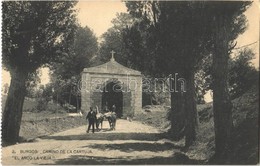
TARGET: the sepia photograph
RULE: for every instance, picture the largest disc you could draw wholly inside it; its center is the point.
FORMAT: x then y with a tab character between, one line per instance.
117	82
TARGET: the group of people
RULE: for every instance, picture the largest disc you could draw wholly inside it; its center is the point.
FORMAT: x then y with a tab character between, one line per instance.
95	118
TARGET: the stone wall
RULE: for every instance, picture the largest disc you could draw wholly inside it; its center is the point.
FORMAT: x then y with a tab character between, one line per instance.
93	84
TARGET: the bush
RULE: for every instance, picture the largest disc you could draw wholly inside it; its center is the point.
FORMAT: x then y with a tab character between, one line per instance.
129	112
70	108
42	105
242	74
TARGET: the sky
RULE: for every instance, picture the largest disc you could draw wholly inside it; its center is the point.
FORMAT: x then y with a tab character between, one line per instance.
97	15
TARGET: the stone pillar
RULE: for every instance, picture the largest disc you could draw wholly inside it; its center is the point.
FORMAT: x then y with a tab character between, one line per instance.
138	95
85	92
127	97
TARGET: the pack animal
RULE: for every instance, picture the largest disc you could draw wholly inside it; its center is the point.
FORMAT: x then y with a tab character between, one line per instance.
100	119
111	117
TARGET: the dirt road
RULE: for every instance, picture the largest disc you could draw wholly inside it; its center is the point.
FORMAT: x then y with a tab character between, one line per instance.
131	143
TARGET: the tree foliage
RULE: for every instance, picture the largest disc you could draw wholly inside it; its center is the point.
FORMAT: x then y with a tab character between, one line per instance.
179	36
66	71
113	39
34	33
176	42
242	74
31	27
228	22
31	84
82	49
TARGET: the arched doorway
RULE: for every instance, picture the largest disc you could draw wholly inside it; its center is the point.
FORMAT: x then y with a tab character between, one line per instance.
94	79
112	95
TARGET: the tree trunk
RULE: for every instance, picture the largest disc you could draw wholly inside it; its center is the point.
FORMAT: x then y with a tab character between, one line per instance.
12	114
222	106
177	115
191	123
184	111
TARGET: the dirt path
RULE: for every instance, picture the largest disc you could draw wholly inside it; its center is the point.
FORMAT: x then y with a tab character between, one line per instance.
131	143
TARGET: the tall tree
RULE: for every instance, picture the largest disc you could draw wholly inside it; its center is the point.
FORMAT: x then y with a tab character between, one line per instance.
228	21
83	48
178	40
34	33
182	33
66	71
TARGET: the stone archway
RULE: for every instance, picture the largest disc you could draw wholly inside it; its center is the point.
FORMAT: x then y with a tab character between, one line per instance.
113	95
128	82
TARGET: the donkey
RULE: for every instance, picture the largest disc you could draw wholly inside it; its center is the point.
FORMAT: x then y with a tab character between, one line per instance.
111	117
100	118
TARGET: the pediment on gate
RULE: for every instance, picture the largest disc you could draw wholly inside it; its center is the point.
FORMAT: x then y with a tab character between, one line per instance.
112	67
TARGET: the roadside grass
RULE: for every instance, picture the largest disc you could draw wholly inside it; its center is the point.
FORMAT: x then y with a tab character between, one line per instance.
35	124
156	117
245	136
30	113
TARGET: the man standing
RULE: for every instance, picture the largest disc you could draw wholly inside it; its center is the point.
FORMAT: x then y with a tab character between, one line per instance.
91	117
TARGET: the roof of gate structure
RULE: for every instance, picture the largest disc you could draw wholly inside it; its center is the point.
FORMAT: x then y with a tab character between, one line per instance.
112	67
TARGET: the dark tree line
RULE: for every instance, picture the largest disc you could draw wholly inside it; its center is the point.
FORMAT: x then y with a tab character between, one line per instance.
175	37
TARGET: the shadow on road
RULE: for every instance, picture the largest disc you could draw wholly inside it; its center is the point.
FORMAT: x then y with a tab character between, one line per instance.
177	158
109	136
124	150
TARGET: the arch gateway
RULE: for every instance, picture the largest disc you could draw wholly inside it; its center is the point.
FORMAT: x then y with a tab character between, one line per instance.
112	84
